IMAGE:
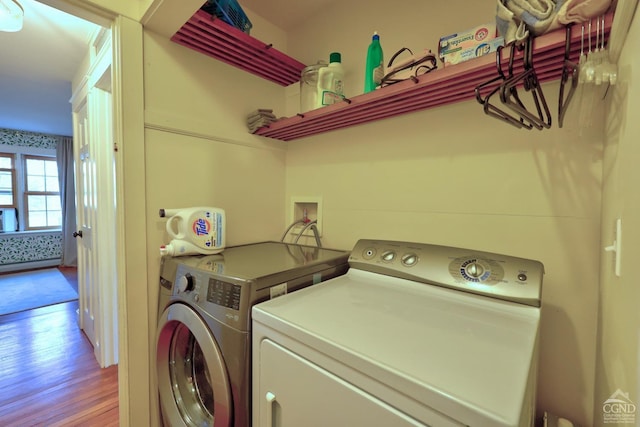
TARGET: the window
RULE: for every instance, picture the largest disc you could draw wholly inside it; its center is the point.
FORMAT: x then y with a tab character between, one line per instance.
7	181
29	189
41	193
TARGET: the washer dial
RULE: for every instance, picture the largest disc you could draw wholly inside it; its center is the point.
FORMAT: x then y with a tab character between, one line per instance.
185	283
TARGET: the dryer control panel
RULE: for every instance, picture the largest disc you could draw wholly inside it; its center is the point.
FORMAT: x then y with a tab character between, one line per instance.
494	275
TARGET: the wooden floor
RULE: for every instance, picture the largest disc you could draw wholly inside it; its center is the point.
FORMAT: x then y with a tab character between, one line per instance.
49	375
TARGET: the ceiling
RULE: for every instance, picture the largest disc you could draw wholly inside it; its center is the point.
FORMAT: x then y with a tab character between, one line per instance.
296	11
38	65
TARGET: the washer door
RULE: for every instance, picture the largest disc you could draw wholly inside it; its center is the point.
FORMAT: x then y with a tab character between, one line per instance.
192	379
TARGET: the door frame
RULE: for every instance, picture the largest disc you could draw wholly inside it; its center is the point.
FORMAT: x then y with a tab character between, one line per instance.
97	286
128	135
131	239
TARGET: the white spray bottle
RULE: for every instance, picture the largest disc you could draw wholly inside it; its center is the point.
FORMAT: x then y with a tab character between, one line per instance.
198	230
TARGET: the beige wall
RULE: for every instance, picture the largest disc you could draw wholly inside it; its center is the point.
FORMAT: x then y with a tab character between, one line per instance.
454	176
449	176
619	320
199	153
486	186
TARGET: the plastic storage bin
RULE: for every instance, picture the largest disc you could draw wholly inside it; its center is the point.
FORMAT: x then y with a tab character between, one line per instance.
230	12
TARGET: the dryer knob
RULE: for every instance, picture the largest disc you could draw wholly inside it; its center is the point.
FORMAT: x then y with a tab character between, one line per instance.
388	256
186	283
474	270
409	260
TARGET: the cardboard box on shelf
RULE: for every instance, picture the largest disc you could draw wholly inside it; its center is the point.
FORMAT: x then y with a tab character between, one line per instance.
476	51
466	39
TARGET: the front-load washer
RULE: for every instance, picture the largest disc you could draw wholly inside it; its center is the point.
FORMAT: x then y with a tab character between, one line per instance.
203	344
412	335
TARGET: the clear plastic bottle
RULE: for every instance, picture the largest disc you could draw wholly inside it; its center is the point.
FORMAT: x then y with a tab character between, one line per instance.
309	87
331	81
375	64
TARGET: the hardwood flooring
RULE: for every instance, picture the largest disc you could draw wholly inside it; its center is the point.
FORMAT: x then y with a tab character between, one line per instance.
49	375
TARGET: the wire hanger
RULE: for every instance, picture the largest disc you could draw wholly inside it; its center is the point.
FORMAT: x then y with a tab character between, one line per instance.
541	118
492	109
569	70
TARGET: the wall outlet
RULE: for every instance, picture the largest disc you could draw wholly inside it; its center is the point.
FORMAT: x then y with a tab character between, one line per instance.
313	208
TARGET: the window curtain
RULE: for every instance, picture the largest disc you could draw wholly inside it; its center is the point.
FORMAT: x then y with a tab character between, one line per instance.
64	155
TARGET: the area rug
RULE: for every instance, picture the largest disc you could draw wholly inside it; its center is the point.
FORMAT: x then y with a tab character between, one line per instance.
34	289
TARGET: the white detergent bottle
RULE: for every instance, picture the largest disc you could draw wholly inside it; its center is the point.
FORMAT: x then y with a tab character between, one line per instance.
331	81
181	247
198	230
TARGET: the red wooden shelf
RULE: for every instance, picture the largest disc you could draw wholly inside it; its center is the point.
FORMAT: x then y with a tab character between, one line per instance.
216	38
440	87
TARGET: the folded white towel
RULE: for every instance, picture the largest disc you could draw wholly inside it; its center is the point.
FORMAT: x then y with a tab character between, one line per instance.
515	19
256	118
578	11
260	112
259	124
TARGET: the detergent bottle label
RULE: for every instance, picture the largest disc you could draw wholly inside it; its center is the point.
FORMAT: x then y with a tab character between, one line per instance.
201	228
207	230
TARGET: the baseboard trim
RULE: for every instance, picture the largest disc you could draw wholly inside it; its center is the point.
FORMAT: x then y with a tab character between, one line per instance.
31	265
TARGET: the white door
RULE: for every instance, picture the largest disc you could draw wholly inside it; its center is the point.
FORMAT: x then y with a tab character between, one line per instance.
95	207
86	212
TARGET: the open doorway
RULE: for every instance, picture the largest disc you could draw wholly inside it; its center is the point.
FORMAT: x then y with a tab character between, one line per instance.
43	71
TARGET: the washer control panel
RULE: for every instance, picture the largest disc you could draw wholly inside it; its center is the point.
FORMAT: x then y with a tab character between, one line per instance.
202	287
224	293
489	274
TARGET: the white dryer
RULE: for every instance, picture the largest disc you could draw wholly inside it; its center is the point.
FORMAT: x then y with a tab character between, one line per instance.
412	335
203	346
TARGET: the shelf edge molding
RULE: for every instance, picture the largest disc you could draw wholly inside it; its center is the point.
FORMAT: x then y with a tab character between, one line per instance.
213	37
